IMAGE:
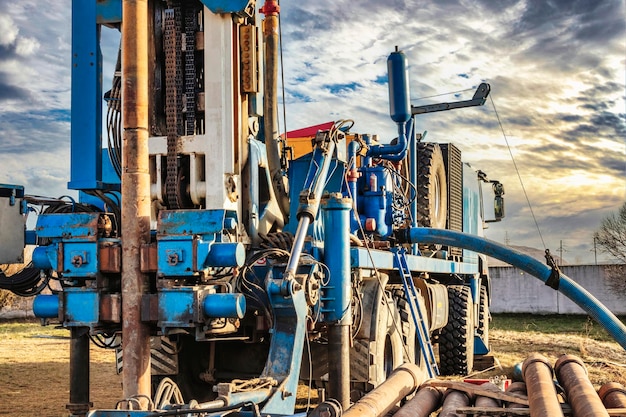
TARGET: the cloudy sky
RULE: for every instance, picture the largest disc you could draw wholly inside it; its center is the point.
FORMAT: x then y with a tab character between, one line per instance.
556	69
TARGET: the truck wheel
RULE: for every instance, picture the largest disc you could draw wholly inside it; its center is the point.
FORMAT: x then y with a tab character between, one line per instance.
409	332
483	317
432	194
456	342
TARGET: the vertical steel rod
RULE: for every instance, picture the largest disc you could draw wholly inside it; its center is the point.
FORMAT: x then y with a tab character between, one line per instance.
339	363
79	372
135	196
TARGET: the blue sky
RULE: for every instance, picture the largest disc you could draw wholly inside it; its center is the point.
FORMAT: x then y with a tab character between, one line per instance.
556	69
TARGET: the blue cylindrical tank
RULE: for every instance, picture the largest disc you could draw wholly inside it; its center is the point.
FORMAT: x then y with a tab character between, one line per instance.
399	96
222	305
46	306
225	254
40	258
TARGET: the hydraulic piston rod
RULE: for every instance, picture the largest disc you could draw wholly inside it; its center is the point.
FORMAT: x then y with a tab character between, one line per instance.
565	285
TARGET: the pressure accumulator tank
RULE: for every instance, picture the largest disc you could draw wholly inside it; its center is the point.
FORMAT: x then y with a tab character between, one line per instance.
399	100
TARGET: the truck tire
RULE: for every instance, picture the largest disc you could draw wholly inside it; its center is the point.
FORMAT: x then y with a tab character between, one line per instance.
456	342
412	352
386	346
432	194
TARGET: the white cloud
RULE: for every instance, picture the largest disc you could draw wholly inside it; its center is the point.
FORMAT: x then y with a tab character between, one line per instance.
26	46
8	30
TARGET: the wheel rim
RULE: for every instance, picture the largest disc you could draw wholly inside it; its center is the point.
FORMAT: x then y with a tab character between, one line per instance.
388	365
437	197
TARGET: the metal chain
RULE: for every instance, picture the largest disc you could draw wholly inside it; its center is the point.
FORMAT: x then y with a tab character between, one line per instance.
190	69
172	104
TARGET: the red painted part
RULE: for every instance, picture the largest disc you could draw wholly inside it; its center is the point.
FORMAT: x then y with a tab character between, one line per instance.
270	8
309	131
507	382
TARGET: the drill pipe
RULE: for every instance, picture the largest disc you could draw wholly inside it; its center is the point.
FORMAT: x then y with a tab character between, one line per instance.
425	402
402	382
452	400
613	395
537	373
519	390
581	396
135	196
487	401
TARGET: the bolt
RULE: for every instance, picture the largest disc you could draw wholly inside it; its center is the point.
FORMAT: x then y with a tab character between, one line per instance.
77	261
172	259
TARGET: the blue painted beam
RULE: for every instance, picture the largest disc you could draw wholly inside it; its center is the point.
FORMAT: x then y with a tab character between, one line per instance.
360	258
86	119
226	6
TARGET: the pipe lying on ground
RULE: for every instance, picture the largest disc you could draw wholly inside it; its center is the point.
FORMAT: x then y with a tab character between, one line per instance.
378	402
564	284
452	400
519	390
581	396
426	401
537	373
613	395
487	402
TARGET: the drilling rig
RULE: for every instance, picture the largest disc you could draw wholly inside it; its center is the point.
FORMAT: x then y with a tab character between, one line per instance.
224	262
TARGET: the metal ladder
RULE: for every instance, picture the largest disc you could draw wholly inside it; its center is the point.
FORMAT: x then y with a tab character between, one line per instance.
423	337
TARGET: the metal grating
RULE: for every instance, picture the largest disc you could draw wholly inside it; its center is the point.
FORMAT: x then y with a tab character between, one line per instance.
454	176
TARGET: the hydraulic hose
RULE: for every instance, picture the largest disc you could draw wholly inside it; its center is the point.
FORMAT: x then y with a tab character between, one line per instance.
565	285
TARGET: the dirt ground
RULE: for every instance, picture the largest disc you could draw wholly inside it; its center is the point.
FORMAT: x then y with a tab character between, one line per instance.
34	366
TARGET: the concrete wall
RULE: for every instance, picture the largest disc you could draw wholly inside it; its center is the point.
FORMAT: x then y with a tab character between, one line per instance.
515	291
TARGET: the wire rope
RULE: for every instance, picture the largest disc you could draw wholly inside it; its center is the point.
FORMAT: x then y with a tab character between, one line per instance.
519	176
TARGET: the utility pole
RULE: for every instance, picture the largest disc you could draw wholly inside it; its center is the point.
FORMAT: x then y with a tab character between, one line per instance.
561	253
595	250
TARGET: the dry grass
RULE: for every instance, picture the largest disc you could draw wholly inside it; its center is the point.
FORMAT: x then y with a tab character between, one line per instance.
34	369
34	361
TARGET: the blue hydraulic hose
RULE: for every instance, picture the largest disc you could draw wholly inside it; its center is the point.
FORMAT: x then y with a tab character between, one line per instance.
566	285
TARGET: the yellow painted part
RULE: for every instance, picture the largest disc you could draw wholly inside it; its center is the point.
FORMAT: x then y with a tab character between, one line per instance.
300	146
